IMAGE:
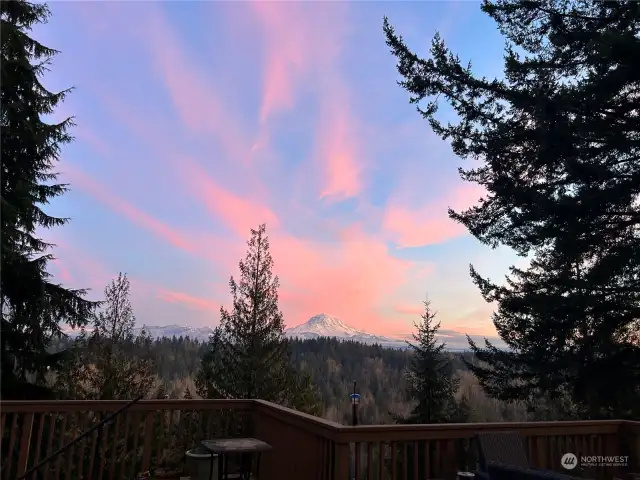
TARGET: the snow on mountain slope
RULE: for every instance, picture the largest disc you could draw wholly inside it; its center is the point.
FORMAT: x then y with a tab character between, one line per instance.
323	325
200	333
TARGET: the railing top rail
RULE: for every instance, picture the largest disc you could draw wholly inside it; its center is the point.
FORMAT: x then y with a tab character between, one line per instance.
318	426
486	425
377	433
51	406
363	433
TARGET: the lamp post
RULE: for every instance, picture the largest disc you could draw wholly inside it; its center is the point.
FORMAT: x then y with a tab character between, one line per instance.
355	402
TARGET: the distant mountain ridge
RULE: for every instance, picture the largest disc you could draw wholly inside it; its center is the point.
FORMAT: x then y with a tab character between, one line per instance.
321	325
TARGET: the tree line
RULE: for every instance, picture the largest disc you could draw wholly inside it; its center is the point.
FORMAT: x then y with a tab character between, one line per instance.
556	146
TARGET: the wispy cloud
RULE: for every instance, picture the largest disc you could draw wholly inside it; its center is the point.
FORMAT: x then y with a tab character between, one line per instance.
81	180
238	213
189	301
216	139
428	225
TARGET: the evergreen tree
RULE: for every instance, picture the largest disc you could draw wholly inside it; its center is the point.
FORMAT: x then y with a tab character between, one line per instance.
431	385
557	141
430	379
32	304
111	362
248	355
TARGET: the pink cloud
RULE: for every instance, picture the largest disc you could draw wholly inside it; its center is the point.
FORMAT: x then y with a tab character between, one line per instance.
477	321
303	43
339	151
192	94
350	278
191	302
238	213
84	181
81	270
62	271
354	276
86	271
430	224
287	53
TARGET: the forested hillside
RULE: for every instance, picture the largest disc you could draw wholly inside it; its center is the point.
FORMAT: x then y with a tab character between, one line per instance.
334	366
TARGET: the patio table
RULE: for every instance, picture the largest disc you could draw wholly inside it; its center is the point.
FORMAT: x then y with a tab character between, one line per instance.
235	446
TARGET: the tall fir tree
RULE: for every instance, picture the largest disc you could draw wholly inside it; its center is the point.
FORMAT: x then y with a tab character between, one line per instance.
111	361
32	304
430	376
432	386
557	139
248	355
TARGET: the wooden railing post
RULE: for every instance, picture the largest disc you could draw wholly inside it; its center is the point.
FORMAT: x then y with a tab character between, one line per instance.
342	461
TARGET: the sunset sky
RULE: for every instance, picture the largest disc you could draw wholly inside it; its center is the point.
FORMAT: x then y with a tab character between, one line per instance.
197	121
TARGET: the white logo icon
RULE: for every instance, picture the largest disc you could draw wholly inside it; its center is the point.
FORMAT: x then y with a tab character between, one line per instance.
569	461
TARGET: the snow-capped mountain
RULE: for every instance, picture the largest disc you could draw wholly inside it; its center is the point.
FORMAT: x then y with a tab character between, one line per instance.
323	325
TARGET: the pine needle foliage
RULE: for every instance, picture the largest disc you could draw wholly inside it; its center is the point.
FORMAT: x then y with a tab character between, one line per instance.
556	141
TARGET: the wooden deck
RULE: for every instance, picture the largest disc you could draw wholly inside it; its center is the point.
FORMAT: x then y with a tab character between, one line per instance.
146	436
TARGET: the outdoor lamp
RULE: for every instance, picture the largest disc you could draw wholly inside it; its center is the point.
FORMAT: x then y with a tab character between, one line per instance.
355	401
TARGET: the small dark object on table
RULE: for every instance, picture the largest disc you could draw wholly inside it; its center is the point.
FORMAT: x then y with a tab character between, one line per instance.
243	446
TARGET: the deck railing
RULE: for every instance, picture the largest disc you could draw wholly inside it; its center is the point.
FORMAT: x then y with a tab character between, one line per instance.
156	433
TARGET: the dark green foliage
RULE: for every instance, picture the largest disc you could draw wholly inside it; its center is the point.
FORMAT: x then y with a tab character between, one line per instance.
558	145
248	354
110	362
432	385
430	376
32	304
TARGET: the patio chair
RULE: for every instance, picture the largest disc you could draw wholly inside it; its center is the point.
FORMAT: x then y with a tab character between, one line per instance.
505	448
499	471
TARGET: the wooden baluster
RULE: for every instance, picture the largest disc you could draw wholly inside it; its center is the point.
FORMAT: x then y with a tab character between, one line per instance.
369	460
125	446
92	453
451	465
405	461
75	422
37	456
25	443
427	458
136	434
148	445
114	447
381	450
53	419
541	447
82	445
394	461
13	433
104	445
61	442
